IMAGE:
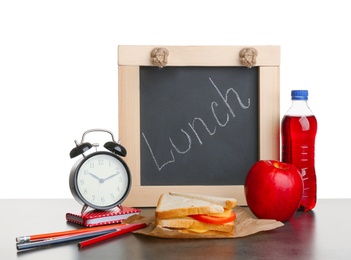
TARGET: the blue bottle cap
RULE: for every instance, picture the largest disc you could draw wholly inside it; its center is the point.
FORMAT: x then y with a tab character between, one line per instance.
299	94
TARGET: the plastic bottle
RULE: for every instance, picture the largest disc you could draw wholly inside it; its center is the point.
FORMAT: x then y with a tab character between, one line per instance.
298	131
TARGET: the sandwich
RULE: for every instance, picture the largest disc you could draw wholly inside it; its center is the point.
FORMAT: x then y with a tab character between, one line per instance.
194	213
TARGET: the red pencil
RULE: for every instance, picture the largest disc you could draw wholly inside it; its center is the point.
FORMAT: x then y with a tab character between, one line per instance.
128	228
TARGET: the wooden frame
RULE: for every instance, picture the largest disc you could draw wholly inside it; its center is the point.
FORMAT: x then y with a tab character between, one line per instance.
130	58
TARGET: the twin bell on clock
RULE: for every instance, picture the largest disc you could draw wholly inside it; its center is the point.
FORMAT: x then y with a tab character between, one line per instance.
100	179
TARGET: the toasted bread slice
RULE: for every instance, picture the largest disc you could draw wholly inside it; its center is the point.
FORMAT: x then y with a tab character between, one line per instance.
171	206
222	201
190	223
207	234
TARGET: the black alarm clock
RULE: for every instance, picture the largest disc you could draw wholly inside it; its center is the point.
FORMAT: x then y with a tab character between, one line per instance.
100	180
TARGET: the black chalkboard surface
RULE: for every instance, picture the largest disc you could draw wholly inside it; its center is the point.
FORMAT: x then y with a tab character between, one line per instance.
198	125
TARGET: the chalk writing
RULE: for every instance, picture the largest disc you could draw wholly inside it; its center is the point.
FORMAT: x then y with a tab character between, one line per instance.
196	121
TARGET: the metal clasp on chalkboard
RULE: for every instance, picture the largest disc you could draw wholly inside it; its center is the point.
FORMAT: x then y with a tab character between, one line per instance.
159	57
248	57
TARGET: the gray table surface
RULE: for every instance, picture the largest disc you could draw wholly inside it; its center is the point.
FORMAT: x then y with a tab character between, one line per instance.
324	233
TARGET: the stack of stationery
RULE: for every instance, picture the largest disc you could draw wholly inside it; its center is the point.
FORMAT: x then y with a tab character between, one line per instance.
102	217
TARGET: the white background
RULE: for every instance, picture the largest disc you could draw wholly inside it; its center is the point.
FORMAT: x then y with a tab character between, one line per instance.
58	74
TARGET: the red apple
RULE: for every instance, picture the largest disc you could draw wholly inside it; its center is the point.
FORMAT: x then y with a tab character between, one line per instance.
273	189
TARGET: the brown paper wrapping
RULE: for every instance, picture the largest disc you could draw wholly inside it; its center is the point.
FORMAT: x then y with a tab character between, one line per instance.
245	225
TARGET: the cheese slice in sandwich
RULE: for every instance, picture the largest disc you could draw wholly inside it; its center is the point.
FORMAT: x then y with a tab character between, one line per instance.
188	212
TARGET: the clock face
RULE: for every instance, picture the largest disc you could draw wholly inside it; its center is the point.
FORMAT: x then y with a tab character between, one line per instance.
102	180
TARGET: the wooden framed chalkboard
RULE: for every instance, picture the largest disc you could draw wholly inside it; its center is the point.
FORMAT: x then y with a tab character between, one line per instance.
198	122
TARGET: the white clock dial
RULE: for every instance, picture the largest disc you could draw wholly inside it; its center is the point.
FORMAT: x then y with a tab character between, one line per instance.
102	180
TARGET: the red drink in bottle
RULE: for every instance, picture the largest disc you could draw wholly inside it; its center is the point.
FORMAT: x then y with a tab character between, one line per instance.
299	128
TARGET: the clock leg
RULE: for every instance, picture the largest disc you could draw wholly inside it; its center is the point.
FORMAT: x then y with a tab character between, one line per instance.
84	209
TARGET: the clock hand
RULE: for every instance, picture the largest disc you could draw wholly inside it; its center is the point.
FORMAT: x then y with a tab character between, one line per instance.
96	177
113	175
